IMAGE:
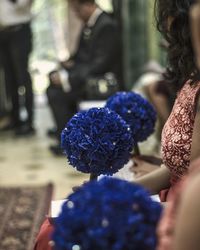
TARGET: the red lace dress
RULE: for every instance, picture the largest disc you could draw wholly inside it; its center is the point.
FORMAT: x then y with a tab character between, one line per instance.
176	151
177	135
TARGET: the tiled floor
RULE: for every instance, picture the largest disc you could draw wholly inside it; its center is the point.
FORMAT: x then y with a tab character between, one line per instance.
27	161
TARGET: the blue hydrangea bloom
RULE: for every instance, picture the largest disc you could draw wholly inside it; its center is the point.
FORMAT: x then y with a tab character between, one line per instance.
136	111
97	141
110	214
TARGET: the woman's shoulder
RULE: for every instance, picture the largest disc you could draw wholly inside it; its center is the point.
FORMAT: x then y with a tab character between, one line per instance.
189	91
193	84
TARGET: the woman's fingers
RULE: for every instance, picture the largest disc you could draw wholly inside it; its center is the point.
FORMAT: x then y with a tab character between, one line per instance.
140	167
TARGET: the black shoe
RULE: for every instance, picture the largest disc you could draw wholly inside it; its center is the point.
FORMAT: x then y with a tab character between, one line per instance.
52	132
10	126
56	150
25	130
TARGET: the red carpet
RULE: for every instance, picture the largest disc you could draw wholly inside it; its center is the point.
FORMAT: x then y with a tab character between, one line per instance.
22	211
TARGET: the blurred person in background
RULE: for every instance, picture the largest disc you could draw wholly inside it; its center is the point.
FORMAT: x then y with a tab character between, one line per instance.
98	52
149	82
3	99
15	48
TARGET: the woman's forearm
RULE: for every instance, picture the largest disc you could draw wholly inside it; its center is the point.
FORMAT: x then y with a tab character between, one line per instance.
156	180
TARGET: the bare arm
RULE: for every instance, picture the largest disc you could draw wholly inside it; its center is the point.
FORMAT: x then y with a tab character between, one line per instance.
156	180
188	218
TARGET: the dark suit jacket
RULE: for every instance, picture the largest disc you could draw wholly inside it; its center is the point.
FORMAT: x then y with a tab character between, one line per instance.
98	52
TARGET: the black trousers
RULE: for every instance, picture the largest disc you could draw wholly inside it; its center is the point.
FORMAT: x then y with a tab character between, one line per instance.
63	106
15	48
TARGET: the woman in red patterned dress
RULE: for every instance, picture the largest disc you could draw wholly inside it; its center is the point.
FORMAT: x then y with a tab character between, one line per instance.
180	223
180	137
187	203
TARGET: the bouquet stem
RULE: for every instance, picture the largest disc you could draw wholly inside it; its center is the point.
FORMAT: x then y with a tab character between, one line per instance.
137	150
93	177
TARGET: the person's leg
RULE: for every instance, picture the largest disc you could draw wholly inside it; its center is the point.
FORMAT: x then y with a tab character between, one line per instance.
63	106
9	77
20	50
52	132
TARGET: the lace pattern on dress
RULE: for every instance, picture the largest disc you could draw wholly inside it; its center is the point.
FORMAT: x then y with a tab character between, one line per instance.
178	130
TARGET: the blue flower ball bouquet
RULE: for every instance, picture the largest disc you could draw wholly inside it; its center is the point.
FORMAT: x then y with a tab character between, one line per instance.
97	141
110	214
136	111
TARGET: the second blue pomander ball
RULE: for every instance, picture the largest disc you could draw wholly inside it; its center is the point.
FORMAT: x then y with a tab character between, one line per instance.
136	111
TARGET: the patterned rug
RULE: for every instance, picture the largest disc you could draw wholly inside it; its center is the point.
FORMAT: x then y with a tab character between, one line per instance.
22	210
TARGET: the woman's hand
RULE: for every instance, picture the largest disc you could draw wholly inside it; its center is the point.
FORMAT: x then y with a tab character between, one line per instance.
55	79
150	159
144	165
67	64
76	188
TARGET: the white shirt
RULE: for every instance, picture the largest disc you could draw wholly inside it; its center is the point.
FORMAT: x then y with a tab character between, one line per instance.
64	76
15	13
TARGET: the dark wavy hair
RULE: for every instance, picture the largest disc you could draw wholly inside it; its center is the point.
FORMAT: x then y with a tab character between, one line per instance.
172	17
